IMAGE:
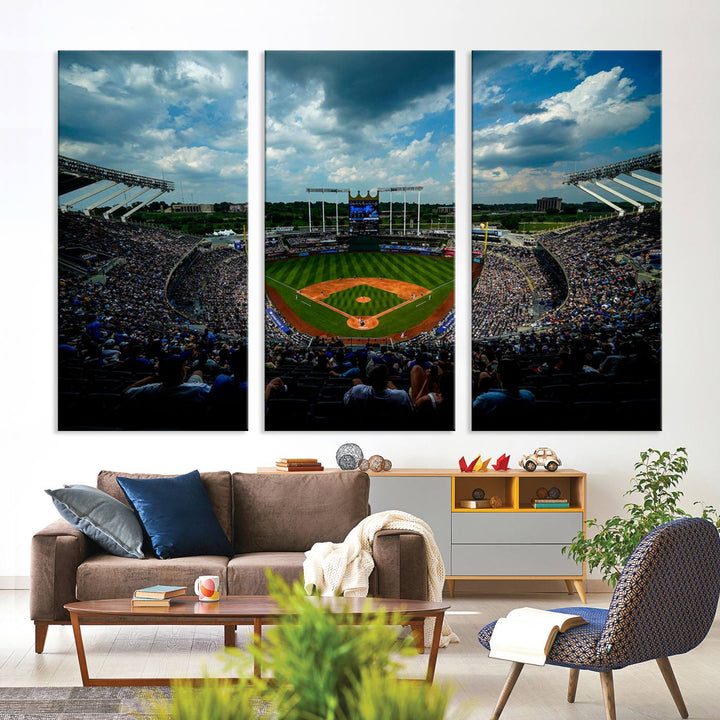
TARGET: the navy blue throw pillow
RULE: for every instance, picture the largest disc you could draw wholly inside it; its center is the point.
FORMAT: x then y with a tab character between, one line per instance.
177	515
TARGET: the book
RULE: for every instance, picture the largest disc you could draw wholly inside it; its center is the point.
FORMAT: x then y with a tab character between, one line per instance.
150	602
159	592
527	634
301	468
552	504
297	461
291	465
474	504
539	501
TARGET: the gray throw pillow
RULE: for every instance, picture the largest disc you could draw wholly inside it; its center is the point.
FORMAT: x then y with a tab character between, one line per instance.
110	523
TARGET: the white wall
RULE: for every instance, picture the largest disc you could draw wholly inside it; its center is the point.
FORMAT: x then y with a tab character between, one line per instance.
35	456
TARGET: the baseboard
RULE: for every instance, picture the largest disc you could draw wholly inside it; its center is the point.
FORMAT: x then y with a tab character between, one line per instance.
14	582
523	587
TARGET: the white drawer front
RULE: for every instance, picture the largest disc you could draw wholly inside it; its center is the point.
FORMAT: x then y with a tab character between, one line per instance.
503	560
541	526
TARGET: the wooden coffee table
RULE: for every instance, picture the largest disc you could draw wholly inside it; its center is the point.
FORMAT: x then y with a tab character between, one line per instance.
231	611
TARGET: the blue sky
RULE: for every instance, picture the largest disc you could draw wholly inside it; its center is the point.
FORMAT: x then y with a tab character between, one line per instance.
359	120
539	115
177	115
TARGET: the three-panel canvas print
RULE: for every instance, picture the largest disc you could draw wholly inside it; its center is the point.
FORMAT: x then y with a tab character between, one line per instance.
360	241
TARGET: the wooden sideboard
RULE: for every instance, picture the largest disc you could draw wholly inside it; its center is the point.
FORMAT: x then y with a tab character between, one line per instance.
513	541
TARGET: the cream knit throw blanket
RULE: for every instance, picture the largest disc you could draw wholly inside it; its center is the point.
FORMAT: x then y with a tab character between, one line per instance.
344	568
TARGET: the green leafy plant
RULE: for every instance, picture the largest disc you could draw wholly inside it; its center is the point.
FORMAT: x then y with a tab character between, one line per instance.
325	666
657	475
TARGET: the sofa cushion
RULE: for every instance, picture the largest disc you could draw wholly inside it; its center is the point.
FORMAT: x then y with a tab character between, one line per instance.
246	573
217	487
292	512
176	515
107	576
110	523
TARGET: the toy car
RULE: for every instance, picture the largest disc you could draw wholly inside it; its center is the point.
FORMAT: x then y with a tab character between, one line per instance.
542	456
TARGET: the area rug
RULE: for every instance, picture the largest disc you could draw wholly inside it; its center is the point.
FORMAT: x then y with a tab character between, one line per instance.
72	703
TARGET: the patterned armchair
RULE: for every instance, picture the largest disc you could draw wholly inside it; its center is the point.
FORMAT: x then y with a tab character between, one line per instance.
664	604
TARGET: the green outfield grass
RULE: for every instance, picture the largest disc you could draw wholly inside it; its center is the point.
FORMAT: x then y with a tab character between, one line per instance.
435	273
346	300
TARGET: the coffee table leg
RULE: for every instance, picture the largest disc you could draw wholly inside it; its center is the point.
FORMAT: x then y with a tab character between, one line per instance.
257	640
82	660
230	635
437	632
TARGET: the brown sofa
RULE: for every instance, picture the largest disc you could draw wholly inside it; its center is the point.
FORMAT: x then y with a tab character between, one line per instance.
271	520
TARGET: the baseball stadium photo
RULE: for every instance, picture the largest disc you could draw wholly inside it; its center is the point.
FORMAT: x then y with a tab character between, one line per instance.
566	241
152	229
359	241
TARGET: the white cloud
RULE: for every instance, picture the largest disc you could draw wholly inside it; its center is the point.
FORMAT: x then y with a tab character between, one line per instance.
414	150
599	106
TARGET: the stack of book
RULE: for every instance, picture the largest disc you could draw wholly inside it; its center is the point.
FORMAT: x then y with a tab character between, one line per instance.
299	465
156	595
550	503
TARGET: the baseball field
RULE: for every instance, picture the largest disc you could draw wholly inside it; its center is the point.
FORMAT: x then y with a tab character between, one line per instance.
368	294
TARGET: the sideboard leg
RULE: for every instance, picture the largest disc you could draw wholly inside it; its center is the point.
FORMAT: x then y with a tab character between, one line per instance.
451	587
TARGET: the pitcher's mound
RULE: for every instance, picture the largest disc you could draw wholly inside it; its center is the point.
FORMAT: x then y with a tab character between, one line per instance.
362	323
362	298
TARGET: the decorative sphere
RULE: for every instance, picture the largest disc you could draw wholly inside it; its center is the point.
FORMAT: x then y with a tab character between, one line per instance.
347	462
496	501
387	465
478	494
541	493
554	493
348	456
364	465
376	463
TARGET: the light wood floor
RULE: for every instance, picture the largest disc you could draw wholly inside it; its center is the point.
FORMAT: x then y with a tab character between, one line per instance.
539	694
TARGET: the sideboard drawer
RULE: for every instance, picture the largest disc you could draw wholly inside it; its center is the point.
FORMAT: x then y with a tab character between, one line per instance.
540	526
516	560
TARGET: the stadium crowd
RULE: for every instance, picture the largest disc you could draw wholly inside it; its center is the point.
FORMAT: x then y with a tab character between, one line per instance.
606	334
127	358
327	384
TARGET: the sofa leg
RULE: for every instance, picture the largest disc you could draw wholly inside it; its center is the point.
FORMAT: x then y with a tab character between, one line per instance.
418	633
41	630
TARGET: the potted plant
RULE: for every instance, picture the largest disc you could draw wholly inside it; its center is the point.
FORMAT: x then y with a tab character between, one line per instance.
656	479
323	667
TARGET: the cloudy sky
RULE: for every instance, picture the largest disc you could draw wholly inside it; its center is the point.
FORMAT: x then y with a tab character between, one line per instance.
177	115
539	115
359	120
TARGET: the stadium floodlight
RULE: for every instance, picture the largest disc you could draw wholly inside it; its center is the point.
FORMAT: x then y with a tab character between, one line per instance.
404	189
322	191
95	172
652	162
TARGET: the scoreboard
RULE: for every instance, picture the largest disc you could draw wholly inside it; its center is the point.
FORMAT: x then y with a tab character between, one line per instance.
364	213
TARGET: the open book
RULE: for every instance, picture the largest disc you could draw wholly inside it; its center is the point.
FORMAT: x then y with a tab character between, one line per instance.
527	634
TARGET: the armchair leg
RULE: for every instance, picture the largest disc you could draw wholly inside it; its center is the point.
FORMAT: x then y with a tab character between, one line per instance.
41	630
608	688
572	684
671	682
512	677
